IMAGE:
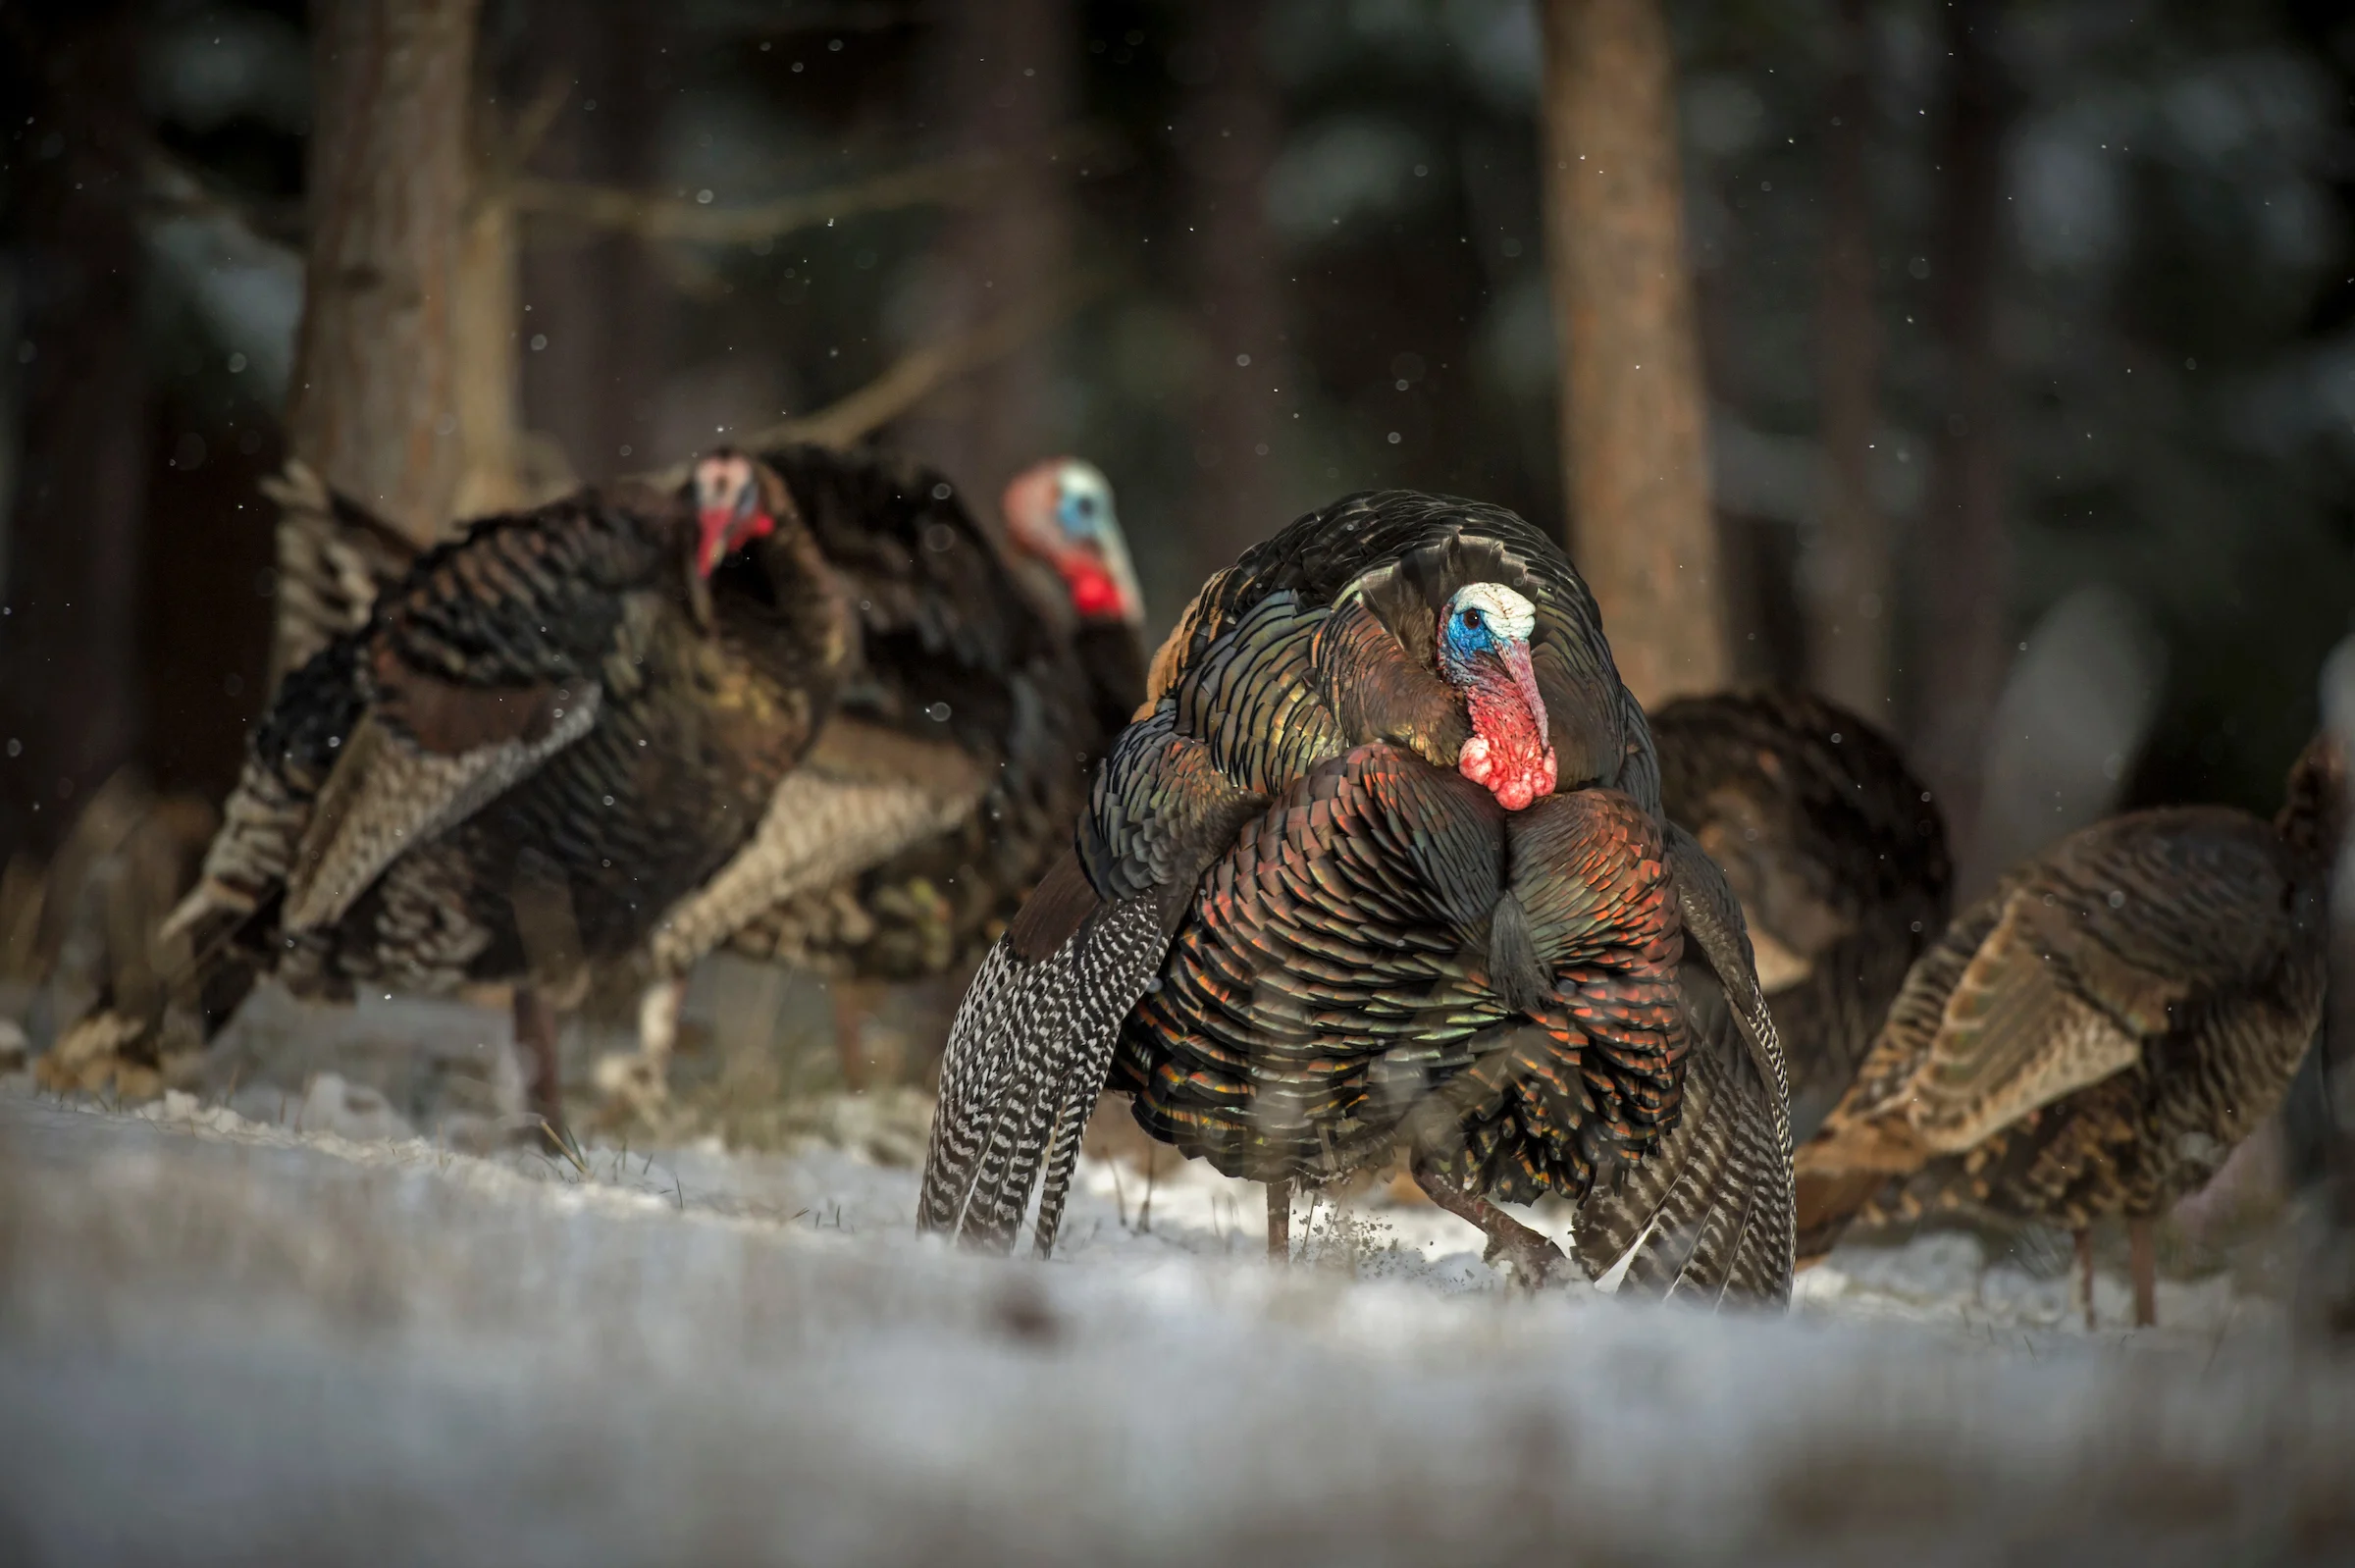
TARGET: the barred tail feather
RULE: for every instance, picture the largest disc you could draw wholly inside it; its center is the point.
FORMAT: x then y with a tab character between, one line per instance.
1707	1214
1027	1057
1708	1211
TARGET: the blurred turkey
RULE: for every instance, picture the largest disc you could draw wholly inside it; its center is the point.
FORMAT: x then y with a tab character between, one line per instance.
2096	1035
990	674
546	734
1836	852
1327	905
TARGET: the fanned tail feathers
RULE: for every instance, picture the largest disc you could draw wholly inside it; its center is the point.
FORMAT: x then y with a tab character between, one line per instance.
1026	1058
333	560
1707	1214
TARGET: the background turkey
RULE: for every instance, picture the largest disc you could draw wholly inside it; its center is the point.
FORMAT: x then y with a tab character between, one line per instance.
548	732
990	672
2095	1036
1836	850
990	667
1334	864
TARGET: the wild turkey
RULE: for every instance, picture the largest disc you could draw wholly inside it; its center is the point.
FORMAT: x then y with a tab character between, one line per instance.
992	673
988	672
1834	848
2094	1037
547	734
1381	865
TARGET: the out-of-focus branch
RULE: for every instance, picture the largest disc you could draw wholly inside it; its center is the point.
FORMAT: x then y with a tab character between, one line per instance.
667	218
965	179
919	374
532	125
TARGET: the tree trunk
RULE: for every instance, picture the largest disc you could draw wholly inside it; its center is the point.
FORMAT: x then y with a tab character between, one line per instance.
1006	76
70	703
1232	130
373	408
1965	554
1633	436
486	371
1847	580
596	336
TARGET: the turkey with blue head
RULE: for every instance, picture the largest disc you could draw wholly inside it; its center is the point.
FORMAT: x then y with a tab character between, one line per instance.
1380	870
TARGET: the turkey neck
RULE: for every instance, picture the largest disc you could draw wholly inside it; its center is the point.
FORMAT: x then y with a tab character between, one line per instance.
778	606
1508	714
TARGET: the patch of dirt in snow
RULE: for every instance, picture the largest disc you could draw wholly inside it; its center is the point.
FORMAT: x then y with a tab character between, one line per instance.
224	1340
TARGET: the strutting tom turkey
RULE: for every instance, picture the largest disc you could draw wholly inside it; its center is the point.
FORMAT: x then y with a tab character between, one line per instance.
2096	1035
1382	864
1837	853
543	735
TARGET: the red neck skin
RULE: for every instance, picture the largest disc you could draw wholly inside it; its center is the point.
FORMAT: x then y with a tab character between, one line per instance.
1095	597
1508	751
723	533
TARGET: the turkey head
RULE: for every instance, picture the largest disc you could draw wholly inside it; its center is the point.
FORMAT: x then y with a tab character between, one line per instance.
1060	512
734	505
1483	652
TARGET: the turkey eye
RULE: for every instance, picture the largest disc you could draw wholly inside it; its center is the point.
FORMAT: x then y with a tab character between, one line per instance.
1472	618
1085	505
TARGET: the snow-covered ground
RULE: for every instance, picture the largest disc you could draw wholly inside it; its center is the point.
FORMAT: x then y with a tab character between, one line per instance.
227	1341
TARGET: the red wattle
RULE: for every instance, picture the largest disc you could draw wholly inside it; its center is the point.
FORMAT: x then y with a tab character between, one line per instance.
1094	595
1509	750
722	535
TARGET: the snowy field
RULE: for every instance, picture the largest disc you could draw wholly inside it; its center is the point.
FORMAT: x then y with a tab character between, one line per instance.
227	1341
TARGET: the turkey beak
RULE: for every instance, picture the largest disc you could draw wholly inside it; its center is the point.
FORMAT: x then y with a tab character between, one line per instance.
1525	681
716	524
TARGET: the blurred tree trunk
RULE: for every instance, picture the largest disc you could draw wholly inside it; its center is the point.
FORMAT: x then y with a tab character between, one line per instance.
1964	551
69	708
1005	78
1232	131
1848	581
487	370
599	306
373	407
1635	437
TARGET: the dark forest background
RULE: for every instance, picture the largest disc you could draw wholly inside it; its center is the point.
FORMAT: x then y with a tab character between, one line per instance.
2099	253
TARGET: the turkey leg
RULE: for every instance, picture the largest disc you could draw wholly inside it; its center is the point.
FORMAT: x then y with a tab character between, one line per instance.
1280	1221
2085	1270
855	1002
632	1080
2142	1255
1535	1259
536	1040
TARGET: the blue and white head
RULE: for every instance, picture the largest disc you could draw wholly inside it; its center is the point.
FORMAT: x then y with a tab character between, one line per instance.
1061	511
1484	635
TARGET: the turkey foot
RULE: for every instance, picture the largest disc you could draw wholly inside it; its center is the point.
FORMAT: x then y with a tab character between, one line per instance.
1535	1259
535	1039
1280	1221
2142	1256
